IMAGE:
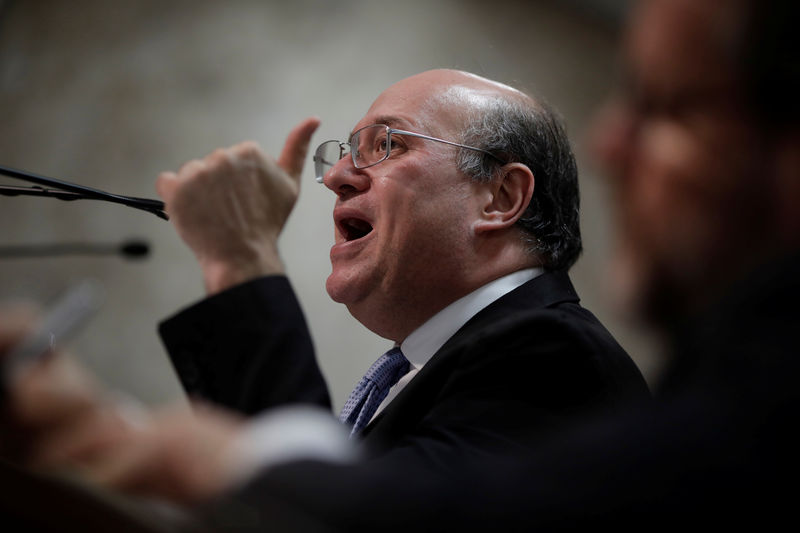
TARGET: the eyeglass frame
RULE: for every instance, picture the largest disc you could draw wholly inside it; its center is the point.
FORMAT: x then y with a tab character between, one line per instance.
318	162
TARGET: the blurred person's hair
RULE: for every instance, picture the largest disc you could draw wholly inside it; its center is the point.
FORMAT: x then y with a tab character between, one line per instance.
769	56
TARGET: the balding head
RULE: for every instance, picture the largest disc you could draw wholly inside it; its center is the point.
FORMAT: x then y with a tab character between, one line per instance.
516	128
478	182
455	89
444	98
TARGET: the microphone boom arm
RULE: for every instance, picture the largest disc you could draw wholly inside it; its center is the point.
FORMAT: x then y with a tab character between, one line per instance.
65	190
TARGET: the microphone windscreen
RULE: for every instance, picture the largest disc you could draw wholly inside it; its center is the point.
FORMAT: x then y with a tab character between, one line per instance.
135	249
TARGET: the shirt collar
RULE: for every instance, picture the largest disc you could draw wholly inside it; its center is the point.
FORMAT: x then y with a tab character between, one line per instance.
426	340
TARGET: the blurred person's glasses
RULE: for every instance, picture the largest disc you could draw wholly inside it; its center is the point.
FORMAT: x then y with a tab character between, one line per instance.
369	146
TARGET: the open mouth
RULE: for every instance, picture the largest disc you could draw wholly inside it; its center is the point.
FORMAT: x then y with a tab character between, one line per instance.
354	228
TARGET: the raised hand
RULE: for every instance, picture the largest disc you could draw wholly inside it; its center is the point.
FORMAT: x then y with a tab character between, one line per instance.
231	206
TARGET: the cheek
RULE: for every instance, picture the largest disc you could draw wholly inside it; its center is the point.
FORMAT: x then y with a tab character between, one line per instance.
412	228
424	202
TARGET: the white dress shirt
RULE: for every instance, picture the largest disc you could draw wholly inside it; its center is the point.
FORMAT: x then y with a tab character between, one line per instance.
295	433
426	340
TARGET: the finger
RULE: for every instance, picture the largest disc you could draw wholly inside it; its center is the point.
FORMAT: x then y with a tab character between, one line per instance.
246	153
119	422
217	158
79	441
130	465
191	167
165	184
53	392
294	152
15	321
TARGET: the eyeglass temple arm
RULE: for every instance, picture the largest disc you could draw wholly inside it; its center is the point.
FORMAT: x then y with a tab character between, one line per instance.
73	191
451	143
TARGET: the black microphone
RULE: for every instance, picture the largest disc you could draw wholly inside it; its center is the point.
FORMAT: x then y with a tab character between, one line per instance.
65	190
133	249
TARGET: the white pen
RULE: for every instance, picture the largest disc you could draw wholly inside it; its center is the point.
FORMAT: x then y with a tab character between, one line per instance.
60	322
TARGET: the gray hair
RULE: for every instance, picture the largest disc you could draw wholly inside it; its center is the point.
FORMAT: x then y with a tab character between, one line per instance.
531	133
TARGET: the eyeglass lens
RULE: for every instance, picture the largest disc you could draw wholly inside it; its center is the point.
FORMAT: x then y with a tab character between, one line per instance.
369	145
327	155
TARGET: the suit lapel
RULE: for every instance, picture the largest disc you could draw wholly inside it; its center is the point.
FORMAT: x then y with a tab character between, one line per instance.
546	290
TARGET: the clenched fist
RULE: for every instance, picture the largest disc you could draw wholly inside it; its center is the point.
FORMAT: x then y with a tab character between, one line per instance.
231	206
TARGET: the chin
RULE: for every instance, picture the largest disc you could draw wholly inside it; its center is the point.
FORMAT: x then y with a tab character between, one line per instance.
344	287
335	290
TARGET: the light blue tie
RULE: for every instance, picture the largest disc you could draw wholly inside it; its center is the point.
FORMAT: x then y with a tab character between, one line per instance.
373	388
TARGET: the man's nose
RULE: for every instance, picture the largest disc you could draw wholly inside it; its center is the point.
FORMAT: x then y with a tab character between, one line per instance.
345	179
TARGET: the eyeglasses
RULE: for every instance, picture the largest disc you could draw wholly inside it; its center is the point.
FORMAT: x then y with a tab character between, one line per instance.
369	146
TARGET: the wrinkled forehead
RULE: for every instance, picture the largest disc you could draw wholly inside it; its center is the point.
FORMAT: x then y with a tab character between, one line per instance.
437	104
417	108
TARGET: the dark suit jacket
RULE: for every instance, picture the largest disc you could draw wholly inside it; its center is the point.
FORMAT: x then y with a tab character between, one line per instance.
247	348
717	451
532	361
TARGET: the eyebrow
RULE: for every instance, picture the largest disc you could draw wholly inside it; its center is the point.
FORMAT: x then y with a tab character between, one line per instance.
388	120
391	121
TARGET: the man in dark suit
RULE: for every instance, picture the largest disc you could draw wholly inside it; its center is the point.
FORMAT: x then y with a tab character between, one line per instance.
456	220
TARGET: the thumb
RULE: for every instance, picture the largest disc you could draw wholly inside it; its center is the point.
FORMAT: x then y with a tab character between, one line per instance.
295	150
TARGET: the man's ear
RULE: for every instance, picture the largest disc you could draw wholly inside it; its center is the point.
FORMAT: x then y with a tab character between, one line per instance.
506	198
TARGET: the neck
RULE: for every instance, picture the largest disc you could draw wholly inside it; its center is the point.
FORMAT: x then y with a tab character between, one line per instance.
395	316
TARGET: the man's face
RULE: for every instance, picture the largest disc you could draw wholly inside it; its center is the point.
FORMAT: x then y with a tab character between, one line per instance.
416	207
682	156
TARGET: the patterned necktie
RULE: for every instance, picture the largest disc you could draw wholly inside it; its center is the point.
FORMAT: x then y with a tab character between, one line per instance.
373	388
